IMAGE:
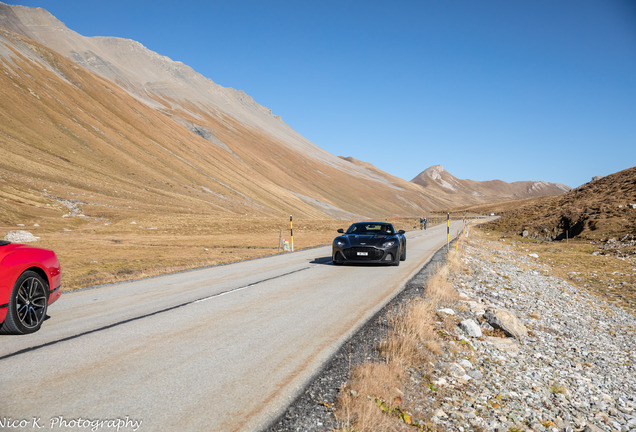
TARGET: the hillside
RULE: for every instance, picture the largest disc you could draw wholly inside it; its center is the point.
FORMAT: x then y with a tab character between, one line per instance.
244	158
599	210
464	192
168	139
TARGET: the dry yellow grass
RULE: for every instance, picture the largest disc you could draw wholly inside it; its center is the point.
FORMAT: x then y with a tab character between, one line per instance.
412	332
93	253
358	401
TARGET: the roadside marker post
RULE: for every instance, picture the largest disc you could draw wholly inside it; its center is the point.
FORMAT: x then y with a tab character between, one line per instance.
447	231
291	232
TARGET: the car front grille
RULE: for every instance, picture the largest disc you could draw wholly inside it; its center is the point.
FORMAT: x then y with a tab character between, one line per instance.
373	254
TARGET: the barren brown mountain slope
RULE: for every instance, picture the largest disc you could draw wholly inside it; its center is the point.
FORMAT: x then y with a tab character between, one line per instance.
596	226
64	126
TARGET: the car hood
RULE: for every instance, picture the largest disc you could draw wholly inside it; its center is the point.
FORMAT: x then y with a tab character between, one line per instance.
367	240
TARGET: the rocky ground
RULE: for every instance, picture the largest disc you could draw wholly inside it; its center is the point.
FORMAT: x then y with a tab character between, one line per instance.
569	366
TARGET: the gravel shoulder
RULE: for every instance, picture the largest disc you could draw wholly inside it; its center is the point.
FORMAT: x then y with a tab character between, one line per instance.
574	370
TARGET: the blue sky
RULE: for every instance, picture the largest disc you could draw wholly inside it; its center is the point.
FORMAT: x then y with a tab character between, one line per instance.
510	90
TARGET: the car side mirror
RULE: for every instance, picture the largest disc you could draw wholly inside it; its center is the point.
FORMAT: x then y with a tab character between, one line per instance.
341	231
401	232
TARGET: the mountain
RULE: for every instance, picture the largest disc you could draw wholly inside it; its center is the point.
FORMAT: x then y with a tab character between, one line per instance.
110	127
465	192
113	125
599	210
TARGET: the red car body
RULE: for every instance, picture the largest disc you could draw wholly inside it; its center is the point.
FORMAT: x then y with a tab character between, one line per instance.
18	260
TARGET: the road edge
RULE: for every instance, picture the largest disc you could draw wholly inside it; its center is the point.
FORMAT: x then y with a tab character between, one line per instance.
311	410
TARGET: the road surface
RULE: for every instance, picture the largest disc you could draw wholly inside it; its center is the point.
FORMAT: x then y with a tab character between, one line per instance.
224	348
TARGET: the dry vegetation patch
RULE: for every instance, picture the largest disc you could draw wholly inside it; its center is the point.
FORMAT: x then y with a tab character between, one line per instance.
94	252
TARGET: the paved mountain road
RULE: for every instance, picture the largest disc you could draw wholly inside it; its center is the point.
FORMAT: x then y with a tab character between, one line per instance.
224	348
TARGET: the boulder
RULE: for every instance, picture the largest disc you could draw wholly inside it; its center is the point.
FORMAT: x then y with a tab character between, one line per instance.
506	321
20	236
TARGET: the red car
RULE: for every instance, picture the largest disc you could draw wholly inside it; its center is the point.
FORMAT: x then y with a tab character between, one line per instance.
30	280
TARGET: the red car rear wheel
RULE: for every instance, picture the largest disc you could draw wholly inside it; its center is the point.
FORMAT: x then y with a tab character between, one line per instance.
27	305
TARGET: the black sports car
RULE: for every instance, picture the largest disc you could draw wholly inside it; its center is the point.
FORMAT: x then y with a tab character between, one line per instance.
369	242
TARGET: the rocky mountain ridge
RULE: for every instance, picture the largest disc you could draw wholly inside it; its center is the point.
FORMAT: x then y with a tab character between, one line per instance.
472	192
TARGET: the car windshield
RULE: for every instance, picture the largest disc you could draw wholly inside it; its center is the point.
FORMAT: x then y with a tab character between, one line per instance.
370	228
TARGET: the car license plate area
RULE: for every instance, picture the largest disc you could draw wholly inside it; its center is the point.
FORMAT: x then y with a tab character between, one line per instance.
363	254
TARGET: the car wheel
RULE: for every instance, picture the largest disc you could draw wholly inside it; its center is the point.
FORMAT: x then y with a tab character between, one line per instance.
403	256
27	305
335	260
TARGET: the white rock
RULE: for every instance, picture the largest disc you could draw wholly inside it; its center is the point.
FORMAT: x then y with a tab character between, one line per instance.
465	364
20	236
471	328
456	370
446	311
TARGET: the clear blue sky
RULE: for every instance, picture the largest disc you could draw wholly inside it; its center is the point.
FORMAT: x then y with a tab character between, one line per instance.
510	90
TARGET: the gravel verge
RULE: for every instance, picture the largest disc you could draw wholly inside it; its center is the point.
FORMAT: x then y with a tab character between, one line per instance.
571	367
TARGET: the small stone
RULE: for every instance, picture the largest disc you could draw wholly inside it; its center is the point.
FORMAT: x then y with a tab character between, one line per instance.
456	370
465	364
446	311
440	414
471	328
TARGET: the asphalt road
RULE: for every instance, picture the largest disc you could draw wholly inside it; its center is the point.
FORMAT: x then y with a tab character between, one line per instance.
224	348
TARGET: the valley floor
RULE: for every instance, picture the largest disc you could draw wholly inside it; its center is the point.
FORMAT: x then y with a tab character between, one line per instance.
574	371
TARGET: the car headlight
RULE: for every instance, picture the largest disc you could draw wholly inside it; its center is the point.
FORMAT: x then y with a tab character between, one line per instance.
388	244
339	242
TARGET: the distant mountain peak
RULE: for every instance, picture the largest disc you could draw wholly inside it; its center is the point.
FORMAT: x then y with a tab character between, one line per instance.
437	168
435	172
436	179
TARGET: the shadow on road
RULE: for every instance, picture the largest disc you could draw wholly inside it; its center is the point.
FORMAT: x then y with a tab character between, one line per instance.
321	260
329	261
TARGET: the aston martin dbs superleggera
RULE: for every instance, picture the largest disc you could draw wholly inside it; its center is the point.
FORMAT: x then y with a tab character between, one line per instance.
369	242
30	280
